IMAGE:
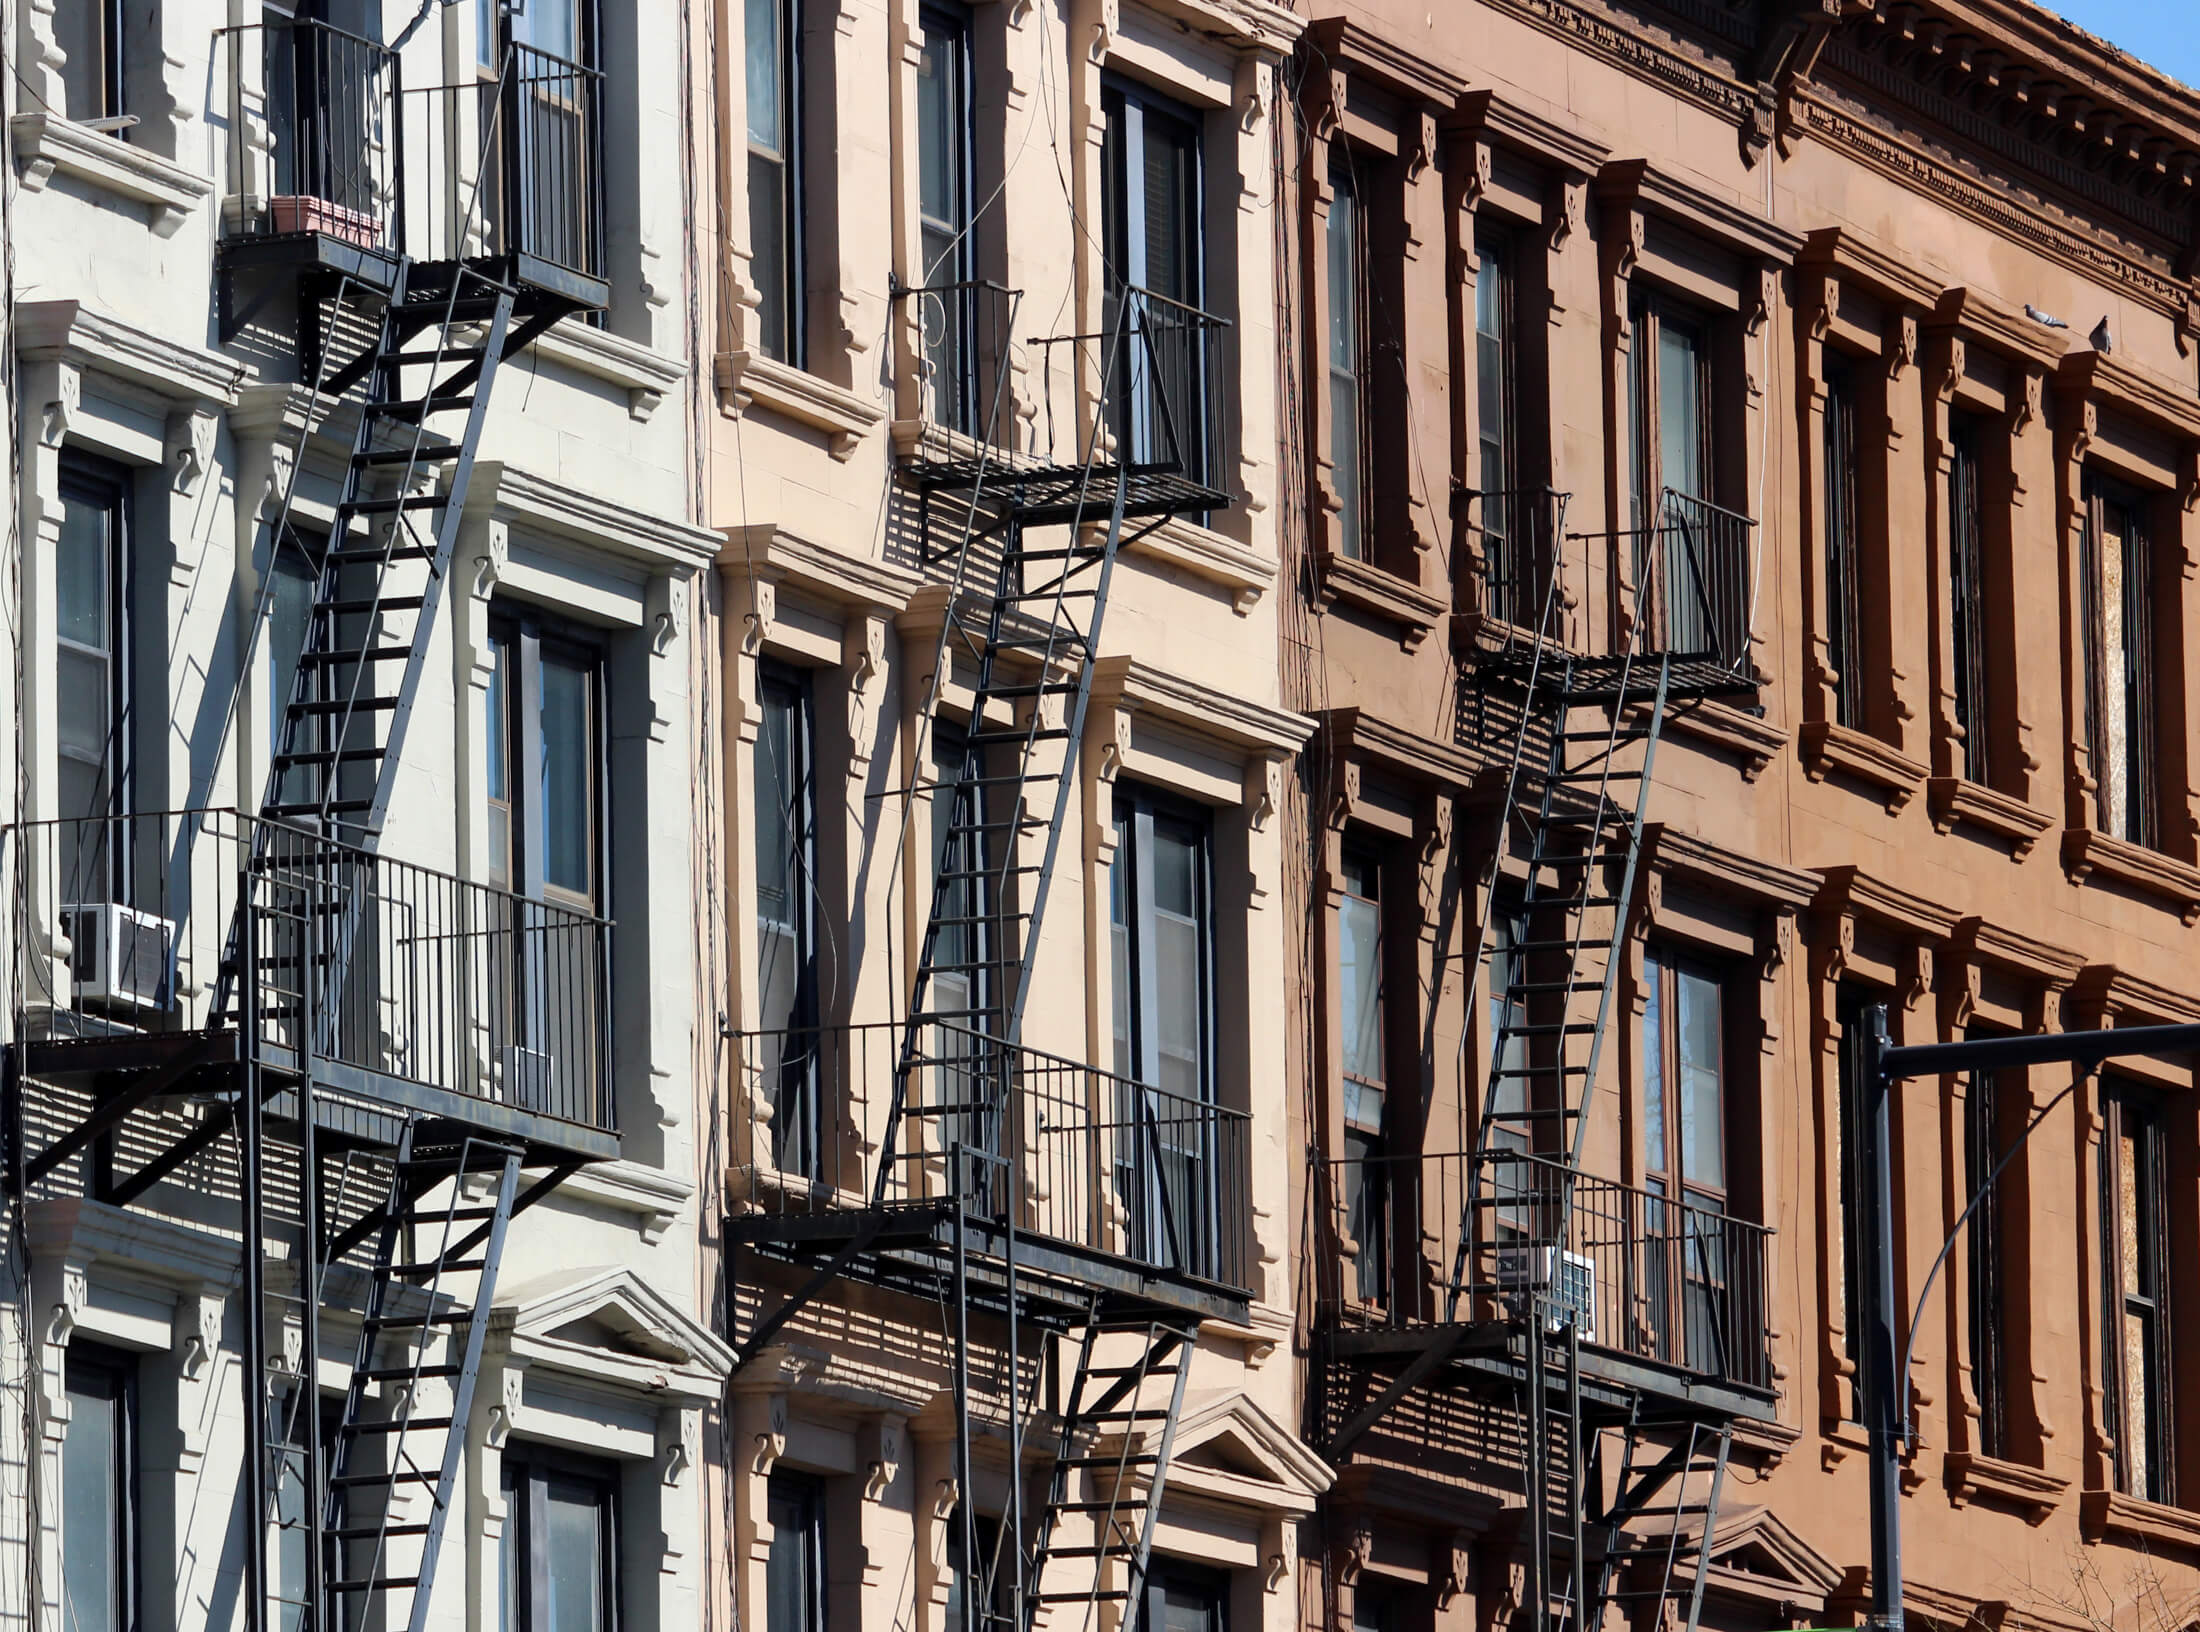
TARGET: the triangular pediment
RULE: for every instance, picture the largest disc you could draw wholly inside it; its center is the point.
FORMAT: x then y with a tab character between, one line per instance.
612	1311
1228	1450
1752	1548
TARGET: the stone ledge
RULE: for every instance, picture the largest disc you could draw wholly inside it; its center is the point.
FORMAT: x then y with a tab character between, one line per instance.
1736	732
1957	802
46	144
1989	1478
646	373
1215	557
747	378
1829	749
2086	852
1398	601
2112	1513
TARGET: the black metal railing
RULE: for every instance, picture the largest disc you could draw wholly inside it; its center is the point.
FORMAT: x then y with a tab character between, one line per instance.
962	338
1066	1151
1166	385
1435	1239
325	137
144	925
1515	537
1694	578
314	141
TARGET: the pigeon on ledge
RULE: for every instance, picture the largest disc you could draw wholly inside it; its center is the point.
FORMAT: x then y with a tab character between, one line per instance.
2101	339
2047	318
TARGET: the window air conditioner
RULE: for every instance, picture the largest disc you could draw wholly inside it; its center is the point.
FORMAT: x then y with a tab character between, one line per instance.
529	1076
121	957
1571	1291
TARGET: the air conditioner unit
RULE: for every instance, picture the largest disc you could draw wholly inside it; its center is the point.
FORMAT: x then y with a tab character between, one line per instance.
529	1076
1571	1291
121	957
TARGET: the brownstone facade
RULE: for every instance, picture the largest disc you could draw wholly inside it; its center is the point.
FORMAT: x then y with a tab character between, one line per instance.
1827	279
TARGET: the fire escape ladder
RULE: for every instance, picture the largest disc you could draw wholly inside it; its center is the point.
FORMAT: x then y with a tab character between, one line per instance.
1115	1434
1556	1491
390	544
1675	1481
433	1232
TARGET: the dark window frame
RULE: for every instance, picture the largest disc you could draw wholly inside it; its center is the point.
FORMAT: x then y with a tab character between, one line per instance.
1969	631
949	321
2141	1291
1653	311
1844	532
1512	567
787	281
1986	1138
1140	812
2140	772
94	1370
1850	1179
807	1496
1364	1107
799	1082
1689	1282
104	21
1347	374
528	1472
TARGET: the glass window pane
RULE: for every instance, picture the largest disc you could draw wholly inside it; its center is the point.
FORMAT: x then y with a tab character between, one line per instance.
1703	1117
83	557
1653	1067
81	706
766	71
768	249
553	26
790	1570
91	1508
1360	986
1119	941
1680	410
1175	872
568	776
574	1565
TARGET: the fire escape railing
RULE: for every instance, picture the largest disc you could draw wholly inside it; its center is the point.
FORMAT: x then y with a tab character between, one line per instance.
1082	1156
123	924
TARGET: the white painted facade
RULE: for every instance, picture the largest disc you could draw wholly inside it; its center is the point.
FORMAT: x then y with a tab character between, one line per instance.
579	513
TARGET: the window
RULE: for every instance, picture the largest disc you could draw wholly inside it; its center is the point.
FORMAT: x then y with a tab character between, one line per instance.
1684	1160
1672	451
545	195
2121	685
92	646
1161	930
90	34
996	1607
786	916
963	967
1967	599
99	1573
293	586
561	1543
1181	1598
1347	343
287	1429
944	186
1515	593
1151	238
2135	1246
774	42
1370	1608
1511	1131
1851	1209
1844	611
794	1573
1985	1140
547	818
1360	1016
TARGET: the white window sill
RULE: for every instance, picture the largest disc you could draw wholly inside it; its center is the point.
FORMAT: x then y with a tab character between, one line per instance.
646	373
46	144
747	378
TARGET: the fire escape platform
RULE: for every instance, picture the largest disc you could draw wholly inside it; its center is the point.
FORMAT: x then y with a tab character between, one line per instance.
357	1105
1053	495
300	253
909	1247
1591	680
1492	1356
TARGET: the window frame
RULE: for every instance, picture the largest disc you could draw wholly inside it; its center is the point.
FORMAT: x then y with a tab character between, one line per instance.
1968	598
92	1369
108	488
947	26
809	1493
528	635
1512	572
2139	777
789	280
1364	1113
1842	497
782	684
527	1474
1348	322
1986	1307
104	21
1653	311
2144	1290
1674	1282
1850	1179
1139	812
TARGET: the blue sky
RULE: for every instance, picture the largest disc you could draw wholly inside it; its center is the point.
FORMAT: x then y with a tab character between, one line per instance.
2161	31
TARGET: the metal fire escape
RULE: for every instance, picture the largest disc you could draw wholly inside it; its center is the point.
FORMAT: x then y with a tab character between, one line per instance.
1560	1292
317	946
1029	544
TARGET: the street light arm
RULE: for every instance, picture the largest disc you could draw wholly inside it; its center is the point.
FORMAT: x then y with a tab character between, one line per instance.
1909	1346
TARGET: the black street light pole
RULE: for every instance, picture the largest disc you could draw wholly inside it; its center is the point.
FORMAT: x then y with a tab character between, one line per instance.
1886	1381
